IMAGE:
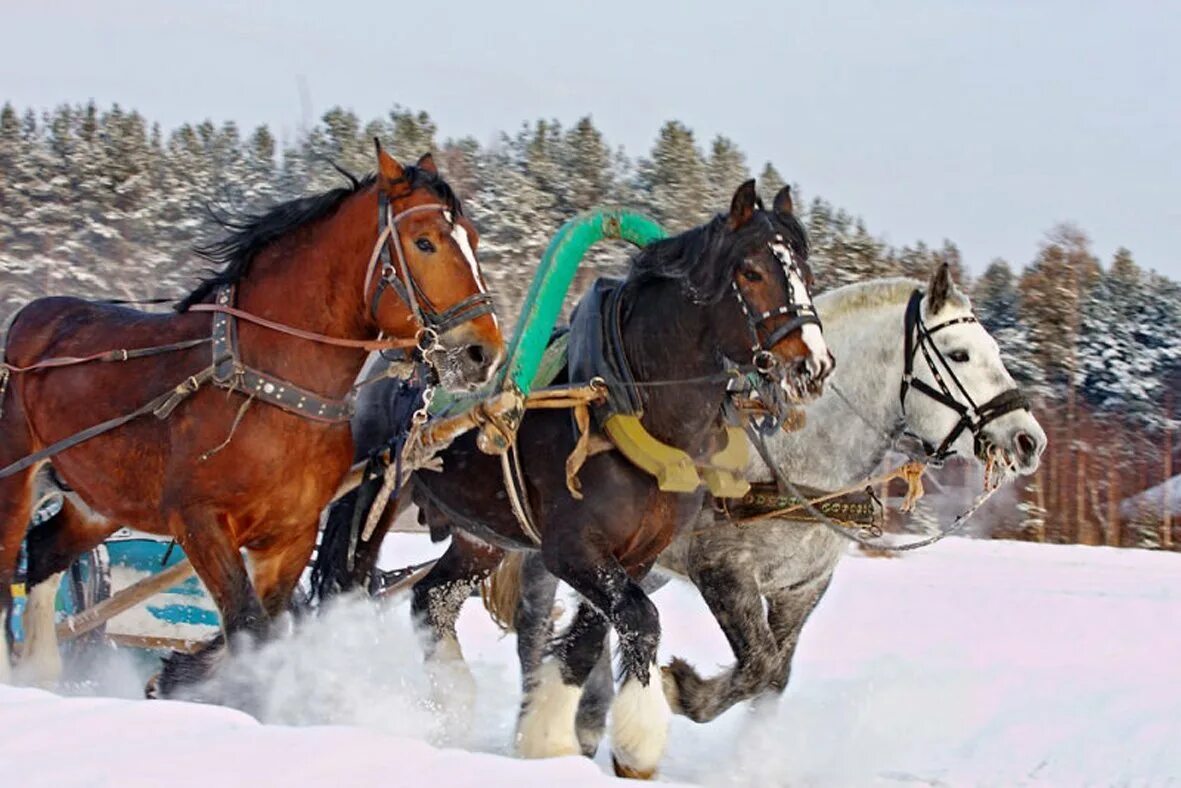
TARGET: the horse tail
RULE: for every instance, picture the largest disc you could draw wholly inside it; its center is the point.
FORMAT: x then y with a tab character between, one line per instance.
501	590
330	570
384	422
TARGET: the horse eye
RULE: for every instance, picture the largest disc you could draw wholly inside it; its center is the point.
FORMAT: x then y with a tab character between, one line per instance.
958	356
425	245
751	275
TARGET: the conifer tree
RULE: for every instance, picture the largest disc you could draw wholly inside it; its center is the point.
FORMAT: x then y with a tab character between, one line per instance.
727	171
674	179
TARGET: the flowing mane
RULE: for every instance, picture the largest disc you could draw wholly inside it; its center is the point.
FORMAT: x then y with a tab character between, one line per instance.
692	257
859	296
249	234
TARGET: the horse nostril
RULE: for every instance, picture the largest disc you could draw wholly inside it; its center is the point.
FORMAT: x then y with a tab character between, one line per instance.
1026	445
476	353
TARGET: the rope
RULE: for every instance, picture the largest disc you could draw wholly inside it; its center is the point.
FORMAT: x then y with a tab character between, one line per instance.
233	427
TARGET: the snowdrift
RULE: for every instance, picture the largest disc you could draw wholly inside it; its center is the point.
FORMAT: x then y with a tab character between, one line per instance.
968	663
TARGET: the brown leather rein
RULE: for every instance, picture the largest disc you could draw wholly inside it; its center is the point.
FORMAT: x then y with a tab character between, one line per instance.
311	336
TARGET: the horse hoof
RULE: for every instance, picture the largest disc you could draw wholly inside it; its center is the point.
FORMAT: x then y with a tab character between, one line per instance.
628	773
152	688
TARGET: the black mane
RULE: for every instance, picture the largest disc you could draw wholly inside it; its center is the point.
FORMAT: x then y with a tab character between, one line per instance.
703	258
794	233
248	235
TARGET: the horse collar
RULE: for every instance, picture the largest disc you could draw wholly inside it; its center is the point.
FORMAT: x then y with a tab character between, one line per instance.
230	373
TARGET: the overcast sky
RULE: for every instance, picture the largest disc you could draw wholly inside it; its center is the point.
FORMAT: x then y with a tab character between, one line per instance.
983	122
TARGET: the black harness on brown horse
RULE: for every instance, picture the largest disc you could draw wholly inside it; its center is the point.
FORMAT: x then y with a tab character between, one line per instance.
972	417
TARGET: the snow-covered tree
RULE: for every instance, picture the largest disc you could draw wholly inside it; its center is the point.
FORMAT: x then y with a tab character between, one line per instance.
674	179
727	171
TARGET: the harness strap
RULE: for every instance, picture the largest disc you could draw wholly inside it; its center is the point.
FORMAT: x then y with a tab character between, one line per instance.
230	373
359	344
105	356
514	484
161	405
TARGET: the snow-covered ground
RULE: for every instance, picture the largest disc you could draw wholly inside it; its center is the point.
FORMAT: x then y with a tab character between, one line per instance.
967	663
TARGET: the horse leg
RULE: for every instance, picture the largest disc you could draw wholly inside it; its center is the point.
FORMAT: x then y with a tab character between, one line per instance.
16	509
787	612
533	618
276	569
639	714
599	688
547	725
591	721
435	604
51	548
220	566
734	598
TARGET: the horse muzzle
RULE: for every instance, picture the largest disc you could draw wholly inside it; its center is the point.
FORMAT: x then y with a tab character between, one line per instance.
1017	443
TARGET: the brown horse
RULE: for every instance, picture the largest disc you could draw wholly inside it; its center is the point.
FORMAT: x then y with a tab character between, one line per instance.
248	449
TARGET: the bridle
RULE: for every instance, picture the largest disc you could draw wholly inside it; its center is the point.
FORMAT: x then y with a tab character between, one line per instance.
972	417
431	322
799	312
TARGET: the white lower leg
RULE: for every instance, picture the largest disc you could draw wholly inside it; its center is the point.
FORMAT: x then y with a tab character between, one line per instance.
639	723
41	662
452	680
5	669
546	727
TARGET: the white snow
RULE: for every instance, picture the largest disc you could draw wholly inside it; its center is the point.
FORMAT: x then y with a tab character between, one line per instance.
967	663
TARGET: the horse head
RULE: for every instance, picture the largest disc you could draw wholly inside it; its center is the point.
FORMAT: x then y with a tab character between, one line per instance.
971	404
778	327
425	278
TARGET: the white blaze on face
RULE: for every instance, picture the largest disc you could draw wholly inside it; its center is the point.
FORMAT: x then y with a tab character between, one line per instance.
811	334
459	235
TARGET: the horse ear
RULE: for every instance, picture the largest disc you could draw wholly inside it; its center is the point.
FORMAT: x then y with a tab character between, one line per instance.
387	166
940	290
782	203
427	163
743	205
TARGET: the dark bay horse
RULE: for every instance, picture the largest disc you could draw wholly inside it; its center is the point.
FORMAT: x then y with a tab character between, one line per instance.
691	306
250	446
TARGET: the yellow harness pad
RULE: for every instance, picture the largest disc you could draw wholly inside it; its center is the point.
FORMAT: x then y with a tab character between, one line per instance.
723	475
675	470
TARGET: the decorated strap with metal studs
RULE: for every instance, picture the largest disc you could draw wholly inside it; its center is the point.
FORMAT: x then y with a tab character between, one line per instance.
230	373
860	508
